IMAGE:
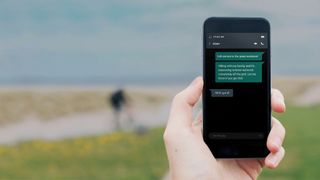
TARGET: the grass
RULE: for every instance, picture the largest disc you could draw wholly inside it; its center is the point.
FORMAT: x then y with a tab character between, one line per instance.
130	156
115	156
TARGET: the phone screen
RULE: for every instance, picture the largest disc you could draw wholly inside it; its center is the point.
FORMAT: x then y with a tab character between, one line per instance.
237	107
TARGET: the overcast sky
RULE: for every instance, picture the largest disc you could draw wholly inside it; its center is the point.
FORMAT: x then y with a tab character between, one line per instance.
141	40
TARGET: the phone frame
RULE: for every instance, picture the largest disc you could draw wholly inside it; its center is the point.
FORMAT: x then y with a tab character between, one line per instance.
237	25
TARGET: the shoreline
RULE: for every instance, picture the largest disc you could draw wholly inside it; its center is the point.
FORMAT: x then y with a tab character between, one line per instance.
137	86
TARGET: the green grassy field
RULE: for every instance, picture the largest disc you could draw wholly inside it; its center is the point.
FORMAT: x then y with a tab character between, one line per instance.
131	156
115	156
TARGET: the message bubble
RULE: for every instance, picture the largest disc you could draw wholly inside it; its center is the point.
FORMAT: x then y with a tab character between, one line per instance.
238	72
239	56
221	92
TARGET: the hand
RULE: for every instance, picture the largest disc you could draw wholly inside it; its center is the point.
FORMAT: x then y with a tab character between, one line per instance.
189	156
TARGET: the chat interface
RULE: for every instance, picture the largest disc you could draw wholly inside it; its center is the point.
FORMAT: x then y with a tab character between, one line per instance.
236	85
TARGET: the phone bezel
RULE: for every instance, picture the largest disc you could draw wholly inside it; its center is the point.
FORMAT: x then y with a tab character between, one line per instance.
238	25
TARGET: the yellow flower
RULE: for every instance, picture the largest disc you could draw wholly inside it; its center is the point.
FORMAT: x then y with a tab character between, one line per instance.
103	139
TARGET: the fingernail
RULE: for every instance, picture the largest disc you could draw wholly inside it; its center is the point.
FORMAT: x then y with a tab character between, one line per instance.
281	98
277	143
194	81
283	105
273	160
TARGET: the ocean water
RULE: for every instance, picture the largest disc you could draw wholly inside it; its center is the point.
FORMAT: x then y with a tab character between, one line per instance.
124	42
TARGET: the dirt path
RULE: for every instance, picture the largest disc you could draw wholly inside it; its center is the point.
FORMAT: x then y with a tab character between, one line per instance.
84	124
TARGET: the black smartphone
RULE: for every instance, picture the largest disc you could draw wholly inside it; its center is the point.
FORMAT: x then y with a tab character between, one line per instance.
237	93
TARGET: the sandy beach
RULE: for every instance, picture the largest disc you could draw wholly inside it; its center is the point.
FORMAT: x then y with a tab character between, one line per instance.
53	113
58	112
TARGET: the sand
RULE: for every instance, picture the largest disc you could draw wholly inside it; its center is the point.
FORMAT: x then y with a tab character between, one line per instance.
86	114
53	113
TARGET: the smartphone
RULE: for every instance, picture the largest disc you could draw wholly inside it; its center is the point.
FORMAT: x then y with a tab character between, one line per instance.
236	94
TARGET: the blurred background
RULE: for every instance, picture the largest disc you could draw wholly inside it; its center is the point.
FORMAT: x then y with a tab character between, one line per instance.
85	86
